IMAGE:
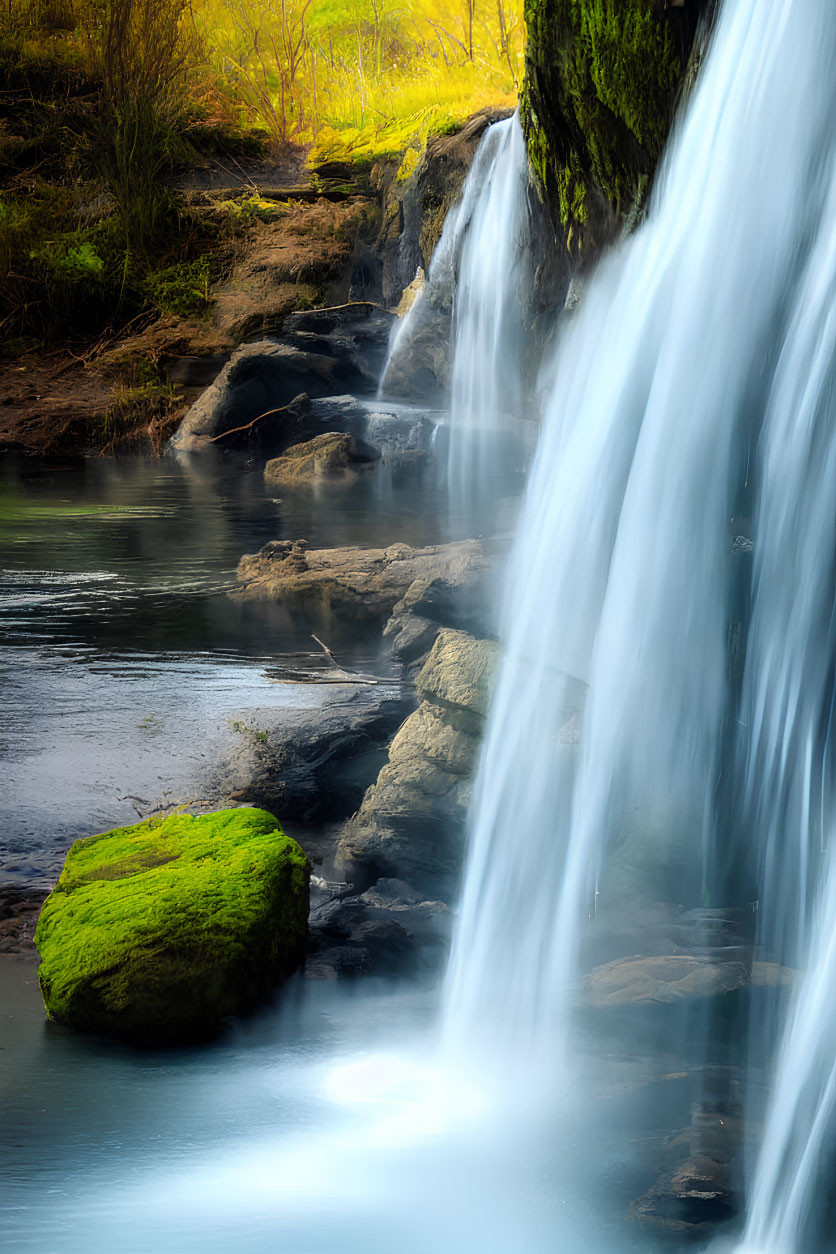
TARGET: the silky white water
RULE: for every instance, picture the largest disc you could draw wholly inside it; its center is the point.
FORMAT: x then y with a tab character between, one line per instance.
488	234
481	270
621	763
627	761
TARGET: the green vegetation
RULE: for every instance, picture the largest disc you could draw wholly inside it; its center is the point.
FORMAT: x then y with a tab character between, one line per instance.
183	289
258	734
156	932
601	80
151	407
104	103
362	79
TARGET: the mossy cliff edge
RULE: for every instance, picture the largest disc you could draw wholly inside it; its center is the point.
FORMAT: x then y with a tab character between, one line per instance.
601	83
156	932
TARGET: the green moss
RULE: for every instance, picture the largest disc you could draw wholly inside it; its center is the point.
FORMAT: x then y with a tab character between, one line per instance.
597	102
156	932
182	289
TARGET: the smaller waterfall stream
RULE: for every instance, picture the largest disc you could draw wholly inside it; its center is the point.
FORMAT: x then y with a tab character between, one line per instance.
480	272
488	232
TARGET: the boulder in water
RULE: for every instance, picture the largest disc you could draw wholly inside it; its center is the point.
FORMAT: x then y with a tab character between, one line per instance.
388	930
355	334
362	585
156	932
257	382
411	821
321	353
334	456
639	981
312	763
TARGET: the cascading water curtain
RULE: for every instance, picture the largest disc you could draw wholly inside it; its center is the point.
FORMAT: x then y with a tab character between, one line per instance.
698	369
480	273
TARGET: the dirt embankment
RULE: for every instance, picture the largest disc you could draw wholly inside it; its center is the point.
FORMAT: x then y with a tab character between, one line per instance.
297	239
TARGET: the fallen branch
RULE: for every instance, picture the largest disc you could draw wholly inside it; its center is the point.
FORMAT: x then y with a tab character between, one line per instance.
332	661
268	413
341	676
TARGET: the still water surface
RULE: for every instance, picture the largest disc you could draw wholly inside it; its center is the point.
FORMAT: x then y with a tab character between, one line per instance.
121	653
323	1126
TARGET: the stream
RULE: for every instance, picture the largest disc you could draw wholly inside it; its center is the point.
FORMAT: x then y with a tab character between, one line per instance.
313	1126
632	1048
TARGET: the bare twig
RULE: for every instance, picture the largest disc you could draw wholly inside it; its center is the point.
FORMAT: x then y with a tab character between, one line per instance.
332	661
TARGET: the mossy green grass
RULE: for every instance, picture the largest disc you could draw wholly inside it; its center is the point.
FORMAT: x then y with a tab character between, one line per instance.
156	932
597	102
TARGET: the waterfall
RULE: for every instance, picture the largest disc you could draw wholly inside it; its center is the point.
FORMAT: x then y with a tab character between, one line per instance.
479	277
789	708
626	759
488	236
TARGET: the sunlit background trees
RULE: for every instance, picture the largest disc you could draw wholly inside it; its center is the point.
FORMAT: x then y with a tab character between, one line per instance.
105	103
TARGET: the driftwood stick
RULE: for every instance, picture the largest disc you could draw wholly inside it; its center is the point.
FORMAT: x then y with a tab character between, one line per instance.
342	676
233	430
332	661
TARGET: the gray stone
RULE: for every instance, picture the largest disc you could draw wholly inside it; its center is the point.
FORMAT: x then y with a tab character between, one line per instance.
410	824
335	456
257	382
363	585
312	763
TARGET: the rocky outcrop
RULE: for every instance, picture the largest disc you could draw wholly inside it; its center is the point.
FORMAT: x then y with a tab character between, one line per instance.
355	334
258	380
312	763
414	209
323	353
388	930
601	83
699	1187
334	456
669	978
411	821
353	584
156	932
20	905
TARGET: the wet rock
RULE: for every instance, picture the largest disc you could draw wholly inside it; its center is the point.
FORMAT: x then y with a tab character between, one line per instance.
419	363
695	1196
411	821
374	948
362	585
430	603
399	436
458	677
698	1185
388	930
311	764
257	381
321	353
355	334
19	909
156	932
334	456
412	636
345	941
639	981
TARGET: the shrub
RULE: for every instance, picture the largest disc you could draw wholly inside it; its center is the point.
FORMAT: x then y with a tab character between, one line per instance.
182	289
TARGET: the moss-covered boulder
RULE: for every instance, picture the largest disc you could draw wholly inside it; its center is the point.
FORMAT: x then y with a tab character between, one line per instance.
601	82
156	932
335	457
